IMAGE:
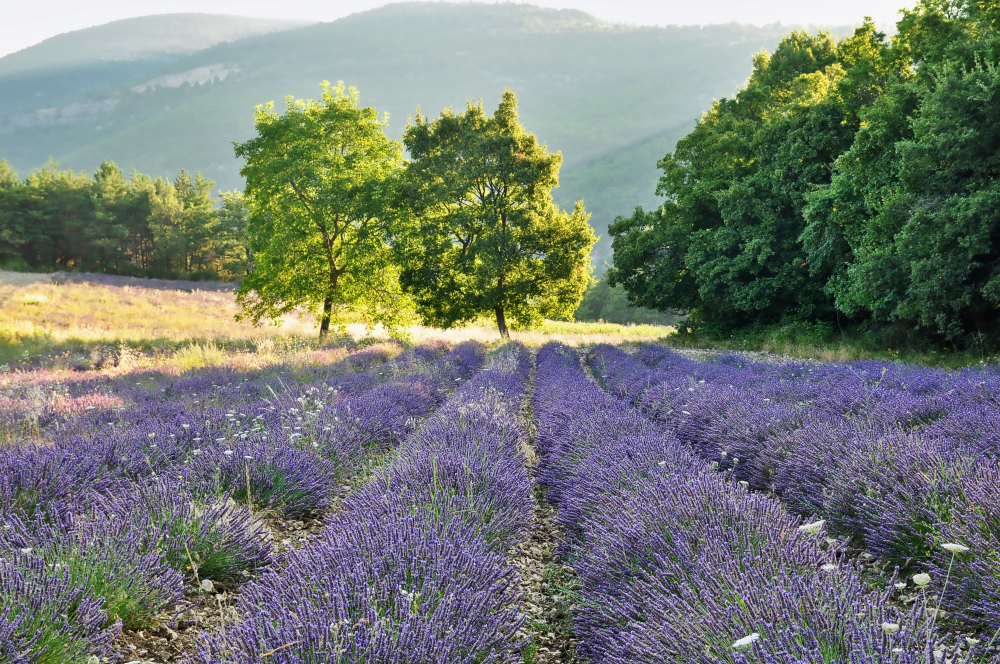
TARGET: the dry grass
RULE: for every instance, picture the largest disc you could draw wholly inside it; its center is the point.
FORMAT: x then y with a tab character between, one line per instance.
572	334
59	323
92	311
45	322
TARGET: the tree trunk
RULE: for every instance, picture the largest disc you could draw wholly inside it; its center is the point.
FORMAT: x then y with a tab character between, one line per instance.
324	325
501	323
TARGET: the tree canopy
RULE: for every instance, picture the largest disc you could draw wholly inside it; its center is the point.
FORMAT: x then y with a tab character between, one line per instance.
320	187
853	178
134	225
485	237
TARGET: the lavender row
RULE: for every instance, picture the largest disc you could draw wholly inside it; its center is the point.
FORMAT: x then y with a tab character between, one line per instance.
678	563
114	523
52	405
901	458
413	567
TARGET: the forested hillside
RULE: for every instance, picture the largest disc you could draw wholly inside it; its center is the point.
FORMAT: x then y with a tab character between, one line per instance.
611	98
850	181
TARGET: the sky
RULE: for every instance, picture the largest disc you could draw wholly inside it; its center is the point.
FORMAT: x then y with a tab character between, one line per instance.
27	23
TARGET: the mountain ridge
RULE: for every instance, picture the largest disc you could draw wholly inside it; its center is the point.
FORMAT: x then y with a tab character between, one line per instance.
74	66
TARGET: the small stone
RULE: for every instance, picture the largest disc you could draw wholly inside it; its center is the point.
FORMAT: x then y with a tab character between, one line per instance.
207	585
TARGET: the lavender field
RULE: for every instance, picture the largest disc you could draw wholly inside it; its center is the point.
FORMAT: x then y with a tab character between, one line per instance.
484	504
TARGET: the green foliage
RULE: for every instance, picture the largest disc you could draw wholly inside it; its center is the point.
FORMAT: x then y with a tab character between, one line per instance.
138	226
848	181
320	184
601	302
908	226
232	239
486	237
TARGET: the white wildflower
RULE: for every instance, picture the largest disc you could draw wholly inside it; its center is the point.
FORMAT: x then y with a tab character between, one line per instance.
746	641
228	453
829	567
900	585
921	579
813	528
890	628
954	548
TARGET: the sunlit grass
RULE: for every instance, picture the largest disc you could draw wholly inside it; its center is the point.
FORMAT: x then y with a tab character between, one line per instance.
82	325
573	334
198	355
96	326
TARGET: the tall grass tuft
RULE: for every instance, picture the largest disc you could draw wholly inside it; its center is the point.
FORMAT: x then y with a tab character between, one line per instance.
198	355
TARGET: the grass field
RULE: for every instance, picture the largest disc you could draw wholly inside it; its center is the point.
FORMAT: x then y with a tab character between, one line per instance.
93	321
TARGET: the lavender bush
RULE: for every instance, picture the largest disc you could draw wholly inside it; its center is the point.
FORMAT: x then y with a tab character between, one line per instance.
891	455
680	563
47	617
412	568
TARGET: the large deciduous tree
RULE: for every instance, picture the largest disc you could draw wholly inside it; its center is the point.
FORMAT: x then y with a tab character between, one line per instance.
486	238
320	182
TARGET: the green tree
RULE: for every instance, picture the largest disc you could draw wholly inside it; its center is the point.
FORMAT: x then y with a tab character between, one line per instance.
487	238
231	237
320	183
908	225
727	242
13	224
108	233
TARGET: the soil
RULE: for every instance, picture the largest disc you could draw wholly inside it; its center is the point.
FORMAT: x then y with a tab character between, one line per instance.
547	582
176	630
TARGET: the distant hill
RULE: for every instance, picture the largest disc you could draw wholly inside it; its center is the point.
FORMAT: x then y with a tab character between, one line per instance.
612	98
75	64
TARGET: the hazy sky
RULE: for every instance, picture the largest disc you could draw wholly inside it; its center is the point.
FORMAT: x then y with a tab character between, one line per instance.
27	23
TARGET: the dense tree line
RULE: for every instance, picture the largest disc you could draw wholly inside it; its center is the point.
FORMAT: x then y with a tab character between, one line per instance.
848	181
136	225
